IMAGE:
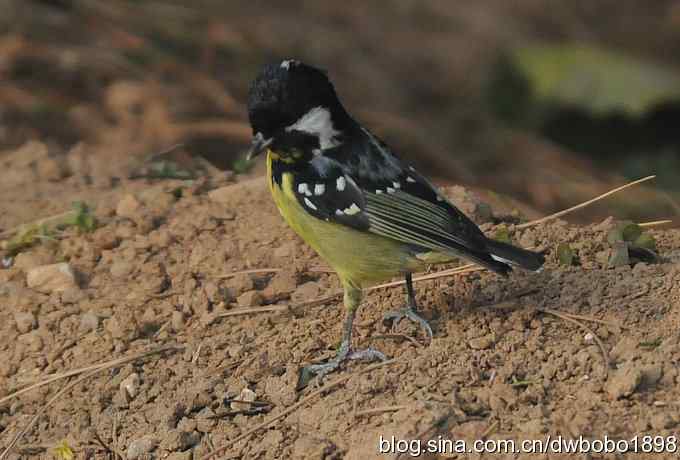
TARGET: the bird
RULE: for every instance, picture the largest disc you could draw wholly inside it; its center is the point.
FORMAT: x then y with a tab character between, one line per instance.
369	214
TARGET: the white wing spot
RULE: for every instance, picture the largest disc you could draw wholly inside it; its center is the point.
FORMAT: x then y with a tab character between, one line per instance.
354	209
390	190
411	168
309	203
378	192
410	179
339	212
340	183
319	189
439	198
396	184
303	188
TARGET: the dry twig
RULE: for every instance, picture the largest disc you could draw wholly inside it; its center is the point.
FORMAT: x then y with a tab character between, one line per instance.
294	407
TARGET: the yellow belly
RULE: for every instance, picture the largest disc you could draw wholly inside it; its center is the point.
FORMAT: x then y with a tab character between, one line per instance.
359	257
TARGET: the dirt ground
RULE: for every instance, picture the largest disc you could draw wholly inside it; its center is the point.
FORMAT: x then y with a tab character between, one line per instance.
159	271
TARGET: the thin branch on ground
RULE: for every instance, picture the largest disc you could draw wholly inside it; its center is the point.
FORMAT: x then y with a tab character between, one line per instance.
379	410
306	400
97	367
603	350
564	212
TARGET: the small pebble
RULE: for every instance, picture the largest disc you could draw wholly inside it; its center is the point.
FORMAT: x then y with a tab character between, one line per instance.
25	321
140	448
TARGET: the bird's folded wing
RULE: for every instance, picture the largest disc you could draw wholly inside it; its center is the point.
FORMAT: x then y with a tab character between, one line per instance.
403	207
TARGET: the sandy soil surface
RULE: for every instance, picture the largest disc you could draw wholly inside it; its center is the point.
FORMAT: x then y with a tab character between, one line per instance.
164	269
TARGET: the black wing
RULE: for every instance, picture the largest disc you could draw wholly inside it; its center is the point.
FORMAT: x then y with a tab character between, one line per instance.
327	192
402	204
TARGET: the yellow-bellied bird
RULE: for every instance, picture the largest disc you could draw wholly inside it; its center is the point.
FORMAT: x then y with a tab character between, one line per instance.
347	194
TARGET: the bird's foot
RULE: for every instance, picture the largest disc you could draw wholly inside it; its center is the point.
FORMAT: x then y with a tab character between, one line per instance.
393	317
321	370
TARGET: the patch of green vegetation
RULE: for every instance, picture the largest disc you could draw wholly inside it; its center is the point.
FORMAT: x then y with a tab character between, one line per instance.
82	218
27	237
566	255
503	235
63	451
243	165
651	344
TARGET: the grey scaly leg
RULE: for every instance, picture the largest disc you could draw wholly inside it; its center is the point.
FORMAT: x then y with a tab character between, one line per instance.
410	310
352	300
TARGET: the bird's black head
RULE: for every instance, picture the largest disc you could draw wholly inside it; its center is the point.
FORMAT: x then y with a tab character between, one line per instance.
292	105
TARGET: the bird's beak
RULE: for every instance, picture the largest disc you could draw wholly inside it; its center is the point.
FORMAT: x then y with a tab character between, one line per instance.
258	145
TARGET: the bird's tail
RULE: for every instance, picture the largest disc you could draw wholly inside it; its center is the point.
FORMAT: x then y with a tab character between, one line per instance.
514	256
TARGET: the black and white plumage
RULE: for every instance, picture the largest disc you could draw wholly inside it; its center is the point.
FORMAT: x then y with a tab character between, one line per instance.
369	214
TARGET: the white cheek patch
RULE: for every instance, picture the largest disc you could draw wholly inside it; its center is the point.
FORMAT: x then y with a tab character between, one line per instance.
317	122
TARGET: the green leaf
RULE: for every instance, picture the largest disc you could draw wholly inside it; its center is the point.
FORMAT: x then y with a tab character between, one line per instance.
631	231
651	344
63	451
565	254
598	80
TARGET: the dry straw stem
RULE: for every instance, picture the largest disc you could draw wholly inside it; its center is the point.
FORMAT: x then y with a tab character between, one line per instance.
89	372
379	410
303	402
42	410
603	350
94	367
557	215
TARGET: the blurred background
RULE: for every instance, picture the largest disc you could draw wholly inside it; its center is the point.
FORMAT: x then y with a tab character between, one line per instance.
545	102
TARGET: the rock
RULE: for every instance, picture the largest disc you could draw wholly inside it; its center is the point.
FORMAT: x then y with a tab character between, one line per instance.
181	440
624	382
72	295
177	320
123	329
89	322
239	284
161	238
280	287
104	238
285	251
141	447
188	455
128	207
121	269
25	321
250	299
306	291
247	395
51	278
33	341
662	421
131	385
27	260
309	447
651	374
481	343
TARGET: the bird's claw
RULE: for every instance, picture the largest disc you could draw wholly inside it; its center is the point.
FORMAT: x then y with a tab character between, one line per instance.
393	317
321	370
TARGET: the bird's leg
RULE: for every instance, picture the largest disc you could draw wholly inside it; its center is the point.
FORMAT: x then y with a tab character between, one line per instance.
409	311
352	300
